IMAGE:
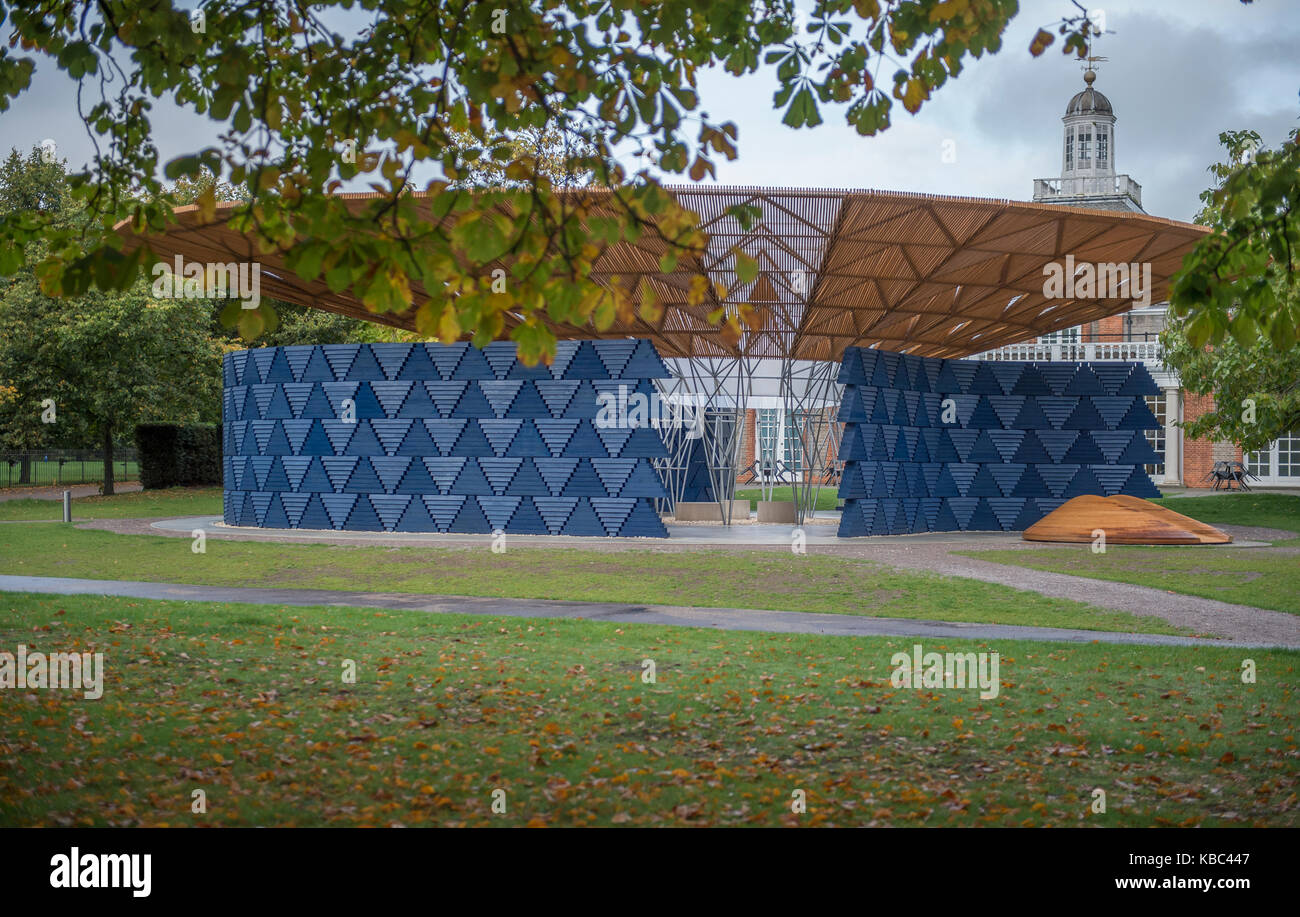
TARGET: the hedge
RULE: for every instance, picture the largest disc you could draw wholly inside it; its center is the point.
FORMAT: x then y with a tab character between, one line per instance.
175	456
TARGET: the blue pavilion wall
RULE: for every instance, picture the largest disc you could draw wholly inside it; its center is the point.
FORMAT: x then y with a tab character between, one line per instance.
439	438
1022	438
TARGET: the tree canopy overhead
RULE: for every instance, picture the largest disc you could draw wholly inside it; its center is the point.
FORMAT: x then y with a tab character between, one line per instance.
1241	281
307	95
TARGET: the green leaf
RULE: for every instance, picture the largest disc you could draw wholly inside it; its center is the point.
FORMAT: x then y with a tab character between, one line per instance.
802	110
746	267
182	166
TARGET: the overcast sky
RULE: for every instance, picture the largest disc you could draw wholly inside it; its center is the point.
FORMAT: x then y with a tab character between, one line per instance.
1179	72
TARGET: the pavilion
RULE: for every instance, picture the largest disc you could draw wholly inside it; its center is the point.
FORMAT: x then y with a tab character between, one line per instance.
916	274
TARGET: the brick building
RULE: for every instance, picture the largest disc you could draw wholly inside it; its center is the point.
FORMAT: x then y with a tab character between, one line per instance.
772	445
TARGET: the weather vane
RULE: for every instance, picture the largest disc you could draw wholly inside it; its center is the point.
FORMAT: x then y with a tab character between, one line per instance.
1090	70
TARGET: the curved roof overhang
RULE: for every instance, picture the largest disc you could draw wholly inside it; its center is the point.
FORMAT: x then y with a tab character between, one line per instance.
915	273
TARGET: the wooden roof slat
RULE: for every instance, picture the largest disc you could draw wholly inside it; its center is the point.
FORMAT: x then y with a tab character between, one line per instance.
932	275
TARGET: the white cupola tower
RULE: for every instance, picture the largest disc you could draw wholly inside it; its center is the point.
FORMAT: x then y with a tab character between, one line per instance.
1089	134
1088	177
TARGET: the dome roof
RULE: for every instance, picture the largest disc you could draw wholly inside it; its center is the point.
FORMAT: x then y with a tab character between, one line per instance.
1090	101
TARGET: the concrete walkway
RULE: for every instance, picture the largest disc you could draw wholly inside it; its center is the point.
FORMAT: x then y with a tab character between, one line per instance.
738	619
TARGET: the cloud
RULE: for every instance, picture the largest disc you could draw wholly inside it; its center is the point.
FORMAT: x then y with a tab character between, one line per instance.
1174	86
1177	77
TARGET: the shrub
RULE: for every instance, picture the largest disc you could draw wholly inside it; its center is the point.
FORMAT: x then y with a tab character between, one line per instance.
175	456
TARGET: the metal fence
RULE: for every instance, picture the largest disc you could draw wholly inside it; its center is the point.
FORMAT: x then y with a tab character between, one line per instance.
64	466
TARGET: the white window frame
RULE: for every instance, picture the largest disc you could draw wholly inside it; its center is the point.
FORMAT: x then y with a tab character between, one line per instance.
1157	437
772	428
1282	453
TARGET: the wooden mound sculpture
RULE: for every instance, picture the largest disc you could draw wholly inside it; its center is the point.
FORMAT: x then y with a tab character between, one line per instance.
1125	520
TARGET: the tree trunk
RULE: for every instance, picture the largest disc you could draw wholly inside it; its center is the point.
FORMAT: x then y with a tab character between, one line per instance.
25	470
108	459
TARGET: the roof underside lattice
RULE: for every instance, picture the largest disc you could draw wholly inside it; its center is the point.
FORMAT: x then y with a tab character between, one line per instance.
915	273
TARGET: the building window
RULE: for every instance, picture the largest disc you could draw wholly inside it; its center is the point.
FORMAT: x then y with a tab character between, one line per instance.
767	436
1064	336
1067	339
795	421
1085	146
1156	437
1288	456
1069	148
1259	463
1285	453
1103	147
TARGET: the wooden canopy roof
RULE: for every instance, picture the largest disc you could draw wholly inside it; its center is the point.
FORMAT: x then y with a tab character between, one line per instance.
916	273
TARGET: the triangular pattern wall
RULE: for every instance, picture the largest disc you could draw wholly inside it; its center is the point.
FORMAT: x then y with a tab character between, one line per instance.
439	438
698	485
934	445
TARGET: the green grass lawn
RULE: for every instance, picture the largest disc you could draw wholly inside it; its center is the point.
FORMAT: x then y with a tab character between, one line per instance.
176	501
1261	577
1244	576
826	498
1271	511
767	580
247	703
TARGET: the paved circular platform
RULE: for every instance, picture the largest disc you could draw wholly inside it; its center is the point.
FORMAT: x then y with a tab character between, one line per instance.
815	533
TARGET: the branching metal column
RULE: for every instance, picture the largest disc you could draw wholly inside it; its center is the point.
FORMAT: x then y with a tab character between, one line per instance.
721	386
811	398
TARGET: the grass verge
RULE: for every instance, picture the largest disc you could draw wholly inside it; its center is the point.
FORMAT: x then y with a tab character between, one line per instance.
762	580
177	501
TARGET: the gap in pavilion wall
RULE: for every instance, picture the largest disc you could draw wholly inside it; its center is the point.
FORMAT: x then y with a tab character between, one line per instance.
697	486
441	438
1022	439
